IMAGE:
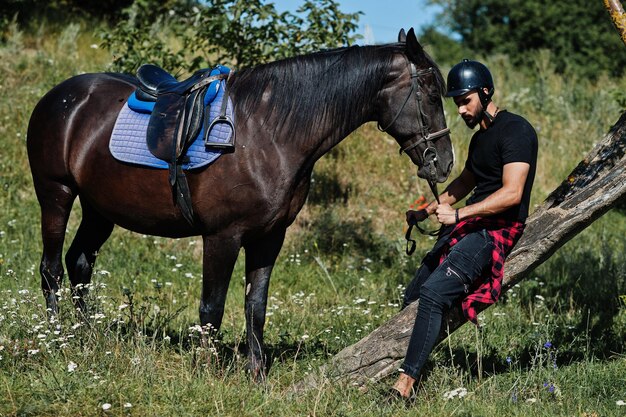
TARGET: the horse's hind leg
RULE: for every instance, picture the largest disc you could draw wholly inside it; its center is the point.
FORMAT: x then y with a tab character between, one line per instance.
93	231
56	201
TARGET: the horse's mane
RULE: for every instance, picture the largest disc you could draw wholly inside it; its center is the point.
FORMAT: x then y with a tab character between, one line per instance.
337	80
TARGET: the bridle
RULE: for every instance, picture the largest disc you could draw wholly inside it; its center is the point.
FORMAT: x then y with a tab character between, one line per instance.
429	156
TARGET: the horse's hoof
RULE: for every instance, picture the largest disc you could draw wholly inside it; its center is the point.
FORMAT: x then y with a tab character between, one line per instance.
52	304
257	372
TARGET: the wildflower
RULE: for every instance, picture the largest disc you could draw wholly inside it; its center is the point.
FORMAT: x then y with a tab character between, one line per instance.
106	406
531	400
547	345
620	403
196	328
508	360
71	367
459	392
33	351
93	46
127	405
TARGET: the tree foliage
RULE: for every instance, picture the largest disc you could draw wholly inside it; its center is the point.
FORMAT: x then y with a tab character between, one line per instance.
579	33
27	10
189	35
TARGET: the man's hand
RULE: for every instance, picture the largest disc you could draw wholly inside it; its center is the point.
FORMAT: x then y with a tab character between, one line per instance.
445	214
414	217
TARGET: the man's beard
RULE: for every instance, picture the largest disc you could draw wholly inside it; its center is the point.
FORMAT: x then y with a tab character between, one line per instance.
472	122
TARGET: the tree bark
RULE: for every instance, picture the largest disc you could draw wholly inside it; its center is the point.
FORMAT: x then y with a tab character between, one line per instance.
596	185
615	9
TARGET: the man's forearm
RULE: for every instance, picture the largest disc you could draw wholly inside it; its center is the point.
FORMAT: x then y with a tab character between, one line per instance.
500	201
453	193
513	180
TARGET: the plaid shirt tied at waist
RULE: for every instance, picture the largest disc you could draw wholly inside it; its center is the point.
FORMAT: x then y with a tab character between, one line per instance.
486	289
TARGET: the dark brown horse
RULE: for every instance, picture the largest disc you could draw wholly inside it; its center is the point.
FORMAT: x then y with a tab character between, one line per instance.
288	114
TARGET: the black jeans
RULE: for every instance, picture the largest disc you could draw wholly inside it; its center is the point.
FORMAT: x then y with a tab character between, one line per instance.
437	287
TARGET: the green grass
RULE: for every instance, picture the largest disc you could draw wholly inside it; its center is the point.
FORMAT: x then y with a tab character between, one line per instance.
340	275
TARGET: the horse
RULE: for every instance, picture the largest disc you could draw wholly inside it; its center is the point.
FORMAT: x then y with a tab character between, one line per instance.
288	114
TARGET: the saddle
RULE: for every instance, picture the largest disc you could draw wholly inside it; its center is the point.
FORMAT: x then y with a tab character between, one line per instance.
176	119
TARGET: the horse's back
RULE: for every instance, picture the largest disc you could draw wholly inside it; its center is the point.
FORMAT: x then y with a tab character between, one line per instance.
58	106
71	113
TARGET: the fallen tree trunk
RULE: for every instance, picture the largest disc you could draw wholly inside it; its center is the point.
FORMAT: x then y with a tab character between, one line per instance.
596	185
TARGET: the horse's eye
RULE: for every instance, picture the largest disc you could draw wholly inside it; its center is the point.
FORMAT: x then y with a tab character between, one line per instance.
433	98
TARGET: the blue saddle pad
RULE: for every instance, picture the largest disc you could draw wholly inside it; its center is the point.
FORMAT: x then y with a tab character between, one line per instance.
128	140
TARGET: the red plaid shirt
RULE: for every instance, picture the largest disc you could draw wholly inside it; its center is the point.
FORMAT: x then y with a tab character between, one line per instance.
486	289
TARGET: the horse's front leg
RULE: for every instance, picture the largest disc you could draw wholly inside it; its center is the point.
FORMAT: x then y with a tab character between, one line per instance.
219	256
260	258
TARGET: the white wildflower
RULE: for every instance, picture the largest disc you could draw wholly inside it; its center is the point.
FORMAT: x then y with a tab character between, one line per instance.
106	406
458	392
71	367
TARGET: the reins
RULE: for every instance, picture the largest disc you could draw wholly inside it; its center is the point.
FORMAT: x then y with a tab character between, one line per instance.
429	156
411	243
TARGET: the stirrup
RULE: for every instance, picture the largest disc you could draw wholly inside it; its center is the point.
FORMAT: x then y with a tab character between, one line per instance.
225	146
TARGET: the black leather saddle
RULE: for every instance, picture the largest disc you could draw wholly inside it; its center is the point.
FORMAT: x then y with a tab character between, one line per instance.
176	120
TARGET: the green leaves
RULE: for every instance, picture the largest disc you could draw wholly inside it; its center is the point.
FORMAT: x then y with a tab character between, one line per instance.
190	35
579	33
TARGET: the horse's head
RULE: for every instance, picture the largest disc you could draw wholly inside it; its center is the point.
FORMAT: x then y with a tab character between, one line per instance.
411	110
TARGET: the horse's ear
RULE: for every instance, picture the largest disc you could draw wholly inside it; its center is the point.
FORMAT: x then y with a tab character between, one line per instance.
402	36
413	48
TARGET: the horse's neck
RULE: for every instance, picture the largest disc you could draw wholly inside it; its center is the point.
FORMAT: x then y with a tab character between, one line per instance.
331	134
317	101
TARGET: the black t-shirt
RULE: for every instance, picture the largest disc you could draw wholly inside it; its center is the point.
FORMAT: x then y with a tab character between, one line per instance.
509	138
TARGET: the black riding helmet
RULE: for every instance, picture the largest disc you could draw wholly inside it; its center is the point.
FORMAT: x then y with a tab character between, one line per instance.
469	76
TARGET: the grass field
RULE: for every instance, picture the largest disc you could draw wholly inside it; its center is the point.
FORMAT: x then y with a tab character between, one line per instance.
553	346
